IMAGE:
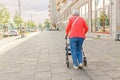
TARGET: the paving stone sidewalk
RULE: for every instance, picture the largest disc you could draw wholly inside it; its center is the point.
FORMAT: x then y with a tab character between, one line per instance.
103	59
41	57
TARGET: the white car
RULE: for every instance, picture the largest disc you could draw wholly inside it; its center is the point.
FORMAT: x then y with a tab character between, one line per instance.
1	34
13	33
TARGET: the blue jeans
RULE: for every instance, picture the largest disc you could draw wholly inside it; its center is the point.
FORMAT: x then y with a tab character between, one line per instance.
76	50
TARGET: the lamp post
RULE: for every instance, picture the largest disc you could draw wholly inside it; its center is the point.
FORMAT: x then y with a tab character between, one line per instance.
31	16
19	4
22	29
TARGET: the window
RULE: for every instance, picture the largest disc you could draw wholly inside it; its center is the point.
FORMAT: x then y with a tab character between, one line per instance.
93	16
84	12
100	16
107	2
87	10
99	4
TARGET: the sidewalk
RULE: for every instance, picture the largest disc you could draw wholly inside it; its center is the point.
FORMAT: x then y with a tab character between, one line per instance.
11	42
103	59
12	38
42	57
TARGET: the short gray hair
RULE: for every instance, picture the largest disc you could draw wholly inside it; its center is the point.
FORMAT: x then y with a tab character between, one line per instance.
75	12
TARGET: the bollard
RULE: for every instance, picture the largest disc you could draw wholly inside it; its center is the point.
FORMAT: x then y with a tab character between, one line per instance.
117	37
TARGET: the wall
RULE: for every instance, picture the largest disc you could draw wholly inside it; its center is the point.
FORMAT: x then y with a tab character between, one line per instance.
118	16
113	18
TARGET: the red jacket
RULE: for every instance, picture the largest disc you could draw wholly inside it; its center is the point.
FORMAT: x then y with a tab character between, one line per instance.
79	29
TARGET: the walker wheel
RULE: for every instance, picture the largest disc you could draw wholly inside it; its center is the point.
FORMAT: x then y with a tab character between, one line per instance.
85	61
67	62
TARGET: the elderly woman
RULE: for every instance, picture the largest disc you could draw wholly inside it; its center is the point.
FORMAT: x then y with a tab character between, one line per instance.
76	31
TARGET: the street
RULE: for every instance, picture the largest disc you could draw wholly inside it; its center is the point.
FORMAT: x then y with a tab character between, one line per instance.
42	57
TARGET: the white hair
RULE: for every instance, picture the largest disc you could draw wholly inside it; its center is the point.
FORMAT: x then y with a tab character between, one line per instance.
75	12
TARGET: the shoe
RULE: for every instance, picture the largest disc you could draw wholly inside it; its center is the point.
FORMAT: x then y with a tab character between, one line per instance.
80	66
75	67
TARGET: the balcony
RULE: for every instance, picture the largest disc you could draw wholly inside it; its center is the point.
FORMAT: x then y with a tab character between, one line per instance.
49	6
63	1
58	2
58	8
48	14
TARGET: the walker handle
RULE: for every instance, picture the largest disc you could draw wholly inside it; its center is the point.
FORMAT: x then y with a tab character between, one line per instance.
65	37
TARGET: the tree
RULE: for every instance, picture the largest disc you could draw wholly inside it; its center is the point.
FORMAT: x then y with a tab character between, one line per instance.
4	18
32	24
11	25
47	23
4	15
40	25
18	20
103	20
25	24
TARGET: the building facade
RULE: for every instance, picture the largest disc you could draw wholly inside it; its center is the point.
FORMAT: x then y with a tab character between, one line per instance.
52	13
102	16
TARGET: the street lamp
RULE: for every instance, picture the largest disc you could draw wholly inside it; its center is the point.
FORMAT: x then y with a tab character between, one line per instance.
31	16
19	4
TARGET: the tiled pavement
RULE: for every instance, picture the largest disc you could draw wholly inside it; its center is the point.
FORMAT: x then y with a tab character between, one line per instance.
42	57
103	59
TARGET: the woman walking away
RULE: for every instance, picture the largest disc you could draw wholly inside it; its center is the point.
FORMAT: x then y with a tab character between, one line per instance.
76	31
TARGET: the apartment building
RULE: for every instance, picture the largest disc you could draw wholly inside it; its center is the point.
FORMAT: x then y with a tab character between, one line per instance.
52	13
102	16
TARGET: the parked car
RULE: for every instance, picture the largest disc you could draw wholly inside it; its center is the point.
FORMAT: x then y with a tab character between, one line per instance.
13	33
5	34
1	34
30	30
49	29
